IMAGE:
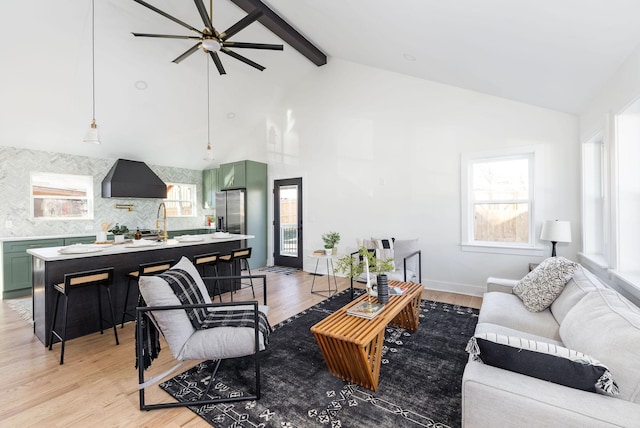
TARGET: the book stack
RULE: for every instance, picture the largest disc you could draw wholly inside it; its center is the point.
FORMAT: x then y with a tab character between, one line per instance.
365	310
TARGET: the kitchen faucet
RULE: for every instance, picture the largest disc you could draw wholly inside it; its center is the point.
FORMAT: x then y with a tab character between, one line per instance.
162	234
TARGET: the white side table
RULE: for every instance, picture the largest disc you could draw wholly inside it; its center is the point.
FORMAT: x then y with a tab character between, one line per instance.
330	273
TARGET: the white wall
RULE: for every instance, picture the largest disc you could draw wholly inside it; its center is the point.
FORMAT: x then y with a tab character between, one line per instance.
379	154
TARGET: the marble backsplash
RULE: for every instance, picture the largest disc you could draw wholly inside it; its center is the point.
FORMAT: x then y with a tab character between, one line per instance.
17	164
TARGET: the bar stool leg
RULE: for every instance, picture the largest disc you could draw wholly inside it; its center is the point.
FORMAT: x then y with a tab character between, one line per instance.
64	328
53	321
246	263
113	316
126	301
100	309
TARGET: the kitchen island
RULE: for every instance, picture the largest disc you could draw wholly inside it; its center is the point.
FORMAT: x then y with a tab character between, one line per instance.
52	263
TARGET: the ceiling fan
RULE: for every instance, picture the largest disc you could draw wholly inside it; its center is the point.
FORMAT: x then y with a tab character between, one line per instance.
209	39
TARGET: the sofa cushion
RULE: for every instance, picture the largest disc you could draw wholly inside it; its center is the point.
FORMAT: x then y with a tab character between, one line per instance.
543	284
543	361
486	327
606	325
507	310
578	286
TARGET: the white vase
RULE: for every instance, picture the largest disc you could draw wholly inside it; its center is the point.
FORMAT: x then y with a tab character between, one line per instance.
119	238
328	251
101	237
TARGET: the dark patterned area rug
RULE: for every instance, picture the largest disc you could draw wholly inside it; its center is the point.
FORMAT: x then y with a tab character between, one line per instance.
420	377
279	269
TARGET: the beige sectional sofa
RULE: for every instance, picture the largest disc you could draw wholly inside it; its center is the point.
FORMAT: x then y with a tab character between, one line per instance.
587	317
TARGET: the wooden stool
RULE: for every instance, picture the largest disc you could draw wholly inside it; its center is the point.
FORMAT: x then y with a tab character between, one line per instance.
208	259
143	269
99	278
240	255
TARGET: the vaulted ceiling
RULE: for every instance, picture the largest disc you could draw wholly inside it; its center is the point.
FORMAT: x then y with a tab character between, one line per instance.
549	53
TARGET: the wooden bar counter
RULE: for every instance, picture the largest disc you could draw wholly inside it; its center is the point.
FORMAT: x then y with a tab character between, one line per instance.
51	264
352	346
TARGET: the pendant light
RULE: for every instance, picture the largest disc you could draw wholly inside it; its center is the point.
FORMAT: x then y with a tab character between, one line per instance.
92	133
208	153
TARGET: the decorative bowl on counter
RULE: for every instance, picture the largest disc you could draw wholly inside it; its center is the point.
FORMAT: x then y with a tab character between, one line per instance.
220	235
189	238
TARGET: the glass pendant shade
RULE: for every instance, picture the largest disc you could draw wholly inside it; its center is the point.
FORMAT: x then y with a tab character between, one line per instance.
92	134
208	154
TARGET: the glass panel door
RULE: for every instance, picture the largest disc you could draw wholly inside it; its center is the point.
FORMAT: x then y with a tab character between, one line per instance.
288	222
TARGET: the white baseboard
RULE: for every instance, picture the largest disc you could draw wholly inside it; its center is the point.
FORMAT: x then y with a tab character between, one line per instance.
454	287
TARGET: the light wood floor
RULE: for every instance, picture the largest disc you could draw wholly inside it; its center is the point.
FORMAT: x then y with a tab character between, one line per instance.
97	385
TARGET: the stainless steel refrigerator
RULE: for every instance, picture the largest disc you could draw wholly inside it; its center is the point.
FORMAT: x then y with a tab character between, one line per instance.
230	207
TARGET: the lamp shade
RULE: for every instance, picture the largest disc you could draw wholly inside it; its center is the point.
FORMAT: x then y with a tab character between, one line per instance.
556	231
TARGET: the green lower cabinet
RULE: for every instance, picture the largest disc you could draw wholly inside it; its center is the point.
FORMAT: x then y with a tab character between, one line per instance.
17	266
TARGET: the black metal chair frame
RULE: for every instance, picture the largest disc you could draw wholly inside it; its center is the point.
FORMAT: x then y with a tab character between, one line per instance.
65	290
208	262
142	270
143	310
404	265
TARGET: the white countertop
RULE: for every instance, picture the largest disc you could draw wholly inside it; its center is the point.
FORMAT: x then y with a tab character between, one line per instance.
95	250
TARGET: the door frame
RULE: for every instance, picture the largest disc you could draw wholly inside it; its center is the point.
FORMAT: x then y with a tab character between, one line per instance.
278	260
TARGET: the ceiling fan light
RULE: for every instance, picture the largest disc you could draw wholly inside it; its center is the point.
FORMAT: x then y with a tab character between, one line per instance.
92	134
212	45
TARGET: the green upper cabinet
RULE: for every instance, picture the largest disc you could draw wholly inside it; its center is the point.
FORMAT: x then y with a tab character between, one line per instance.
210	185
233	175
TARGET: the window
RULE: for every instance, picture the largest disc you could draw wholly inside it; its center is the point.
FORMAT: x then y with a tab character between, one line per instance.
181	200
498	202
61	196
593	198
628	190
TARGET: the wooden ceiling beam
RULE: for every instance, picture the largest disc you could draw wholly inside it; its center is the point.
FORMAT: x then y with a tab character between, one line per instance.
286	32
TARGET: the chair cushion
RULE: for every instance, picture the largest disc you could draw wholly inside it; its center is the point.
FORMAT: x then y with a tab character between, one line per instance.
606	325
543	361
543	284
175	325
401	249
222	342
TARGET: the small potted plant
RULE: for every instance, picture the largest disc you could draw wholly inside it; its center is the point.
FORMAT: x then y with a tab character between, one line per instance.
331	239
353	267
119	232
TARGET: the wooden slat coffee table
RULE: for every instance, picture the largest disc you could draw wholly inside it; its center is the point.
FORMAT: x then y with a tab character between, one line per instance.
352	346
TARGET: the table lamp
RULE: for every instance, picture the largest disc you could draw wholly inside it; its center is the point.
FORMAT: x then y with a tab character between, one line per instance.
556	231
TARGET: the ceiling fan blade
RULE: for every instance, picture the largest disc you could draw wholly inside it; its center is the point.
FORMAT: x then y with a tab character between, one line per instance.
206	19
241	25
241	58
252	46
188	52
165	36
217	62
166	15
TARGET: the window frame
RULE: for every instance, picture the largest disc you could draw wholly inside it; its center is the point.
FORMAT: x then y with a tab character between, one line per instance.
533	248
193	201
84	182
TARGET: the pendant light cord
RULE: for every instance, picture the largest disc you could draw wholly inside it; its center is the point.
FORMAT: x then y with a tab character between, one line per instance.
93	56
208	108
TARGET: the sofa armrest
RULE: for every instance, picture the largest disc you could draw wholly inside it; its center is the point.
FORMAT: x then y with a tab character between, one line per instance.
495	397
502	285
